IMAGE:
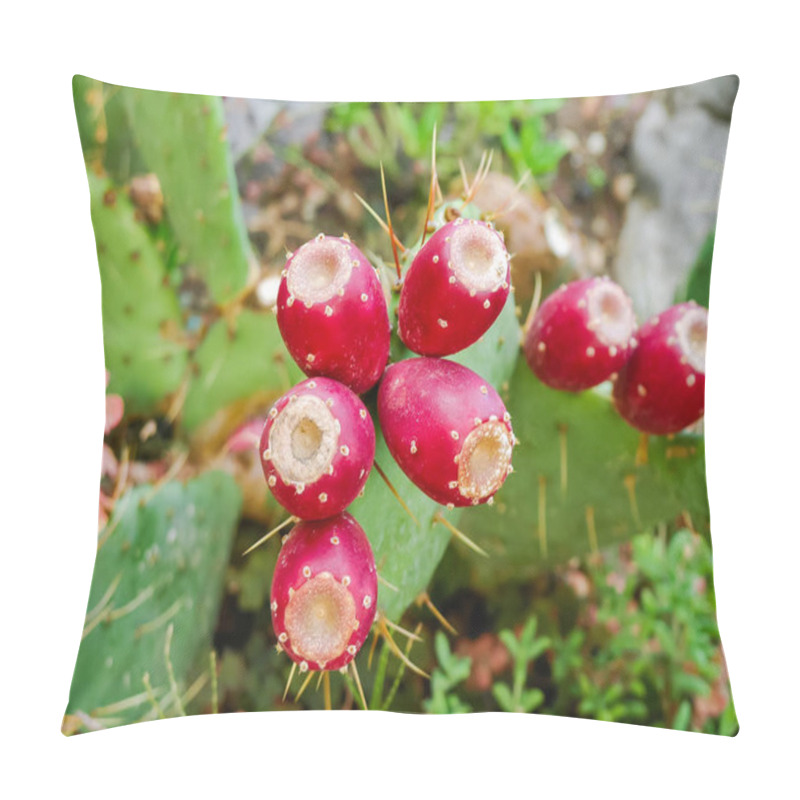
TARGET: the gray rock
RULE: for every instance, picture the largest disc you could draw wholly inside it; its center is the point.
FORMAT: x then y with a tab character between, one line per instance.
678	152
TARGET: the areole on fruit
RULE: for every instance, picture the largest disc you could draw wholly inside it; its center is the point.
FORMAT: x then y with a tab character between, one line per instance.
324	593
661	389
580	335
317	448
454	289
447	428
332	313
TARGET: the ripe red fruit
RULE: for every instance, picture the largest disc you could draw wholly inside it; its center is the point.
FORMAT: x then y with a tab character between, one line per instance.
317	448
332	313
454	289
447	428
661	389
580	335
324	593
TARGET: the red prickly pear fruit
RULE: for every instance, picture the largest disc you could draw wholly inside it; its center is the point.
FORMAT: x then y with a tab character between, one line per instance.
317	448
447	428
332	313
324	593
661	389
454	289
580	335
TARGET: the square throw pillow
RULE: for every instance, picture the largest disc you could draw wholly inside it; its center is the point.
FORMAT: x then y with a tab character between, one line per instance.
404	407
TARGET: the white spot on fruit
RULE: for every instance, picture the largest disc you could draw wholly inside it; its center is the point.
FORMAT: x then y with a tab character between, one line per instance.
484	390
541	347
282	637
486	304
346	580
265	455
454	434
334	540
344	450
435	259
306	572
590	352
413	447
442	323
362	413
323	497
690	380
367	601
272	480
364	297
642	392
328	311
311	358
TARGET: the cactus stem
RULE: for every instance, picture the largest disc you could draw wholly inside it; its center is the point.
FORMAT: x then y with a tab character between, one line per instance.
396	650
303	686
432	191
562	440
358	683
401	629
212	659
151	697
392	237
424	599
327	690
289	681
263	539
543	515
170	671
380	222
592	530
395	492
439	517
630	485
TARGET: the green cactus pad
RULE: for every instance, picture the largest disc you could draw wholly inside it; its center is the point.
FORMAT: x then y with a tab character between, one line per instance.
144	348
235	363
162	565
182	139
578	484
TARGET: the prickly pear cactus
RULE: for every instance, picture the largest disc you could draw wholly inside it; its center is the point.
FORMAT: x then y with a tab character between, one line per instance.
182	139
583	479
246	359
408	552
145	349
154	598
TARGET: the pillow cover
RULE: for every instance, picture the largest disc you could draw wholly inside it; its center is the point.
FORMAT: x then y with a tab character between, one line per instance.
403	391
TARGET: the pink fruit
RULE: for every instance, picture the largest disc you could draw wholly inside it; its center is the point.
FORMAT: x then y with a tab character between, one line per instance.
454	289
580	335
324	593
661	389
317	448
447	428
332	313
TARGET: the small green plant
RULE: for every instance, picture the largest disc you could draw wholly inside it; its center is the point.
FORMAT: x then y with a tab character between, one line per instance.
524	650
451	670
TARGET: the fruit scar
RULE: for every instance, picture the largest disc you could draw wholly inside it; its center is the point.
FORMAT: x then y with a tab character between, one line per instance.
324	593
447	428
454	289
332	313
581	335
317	448
661	389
